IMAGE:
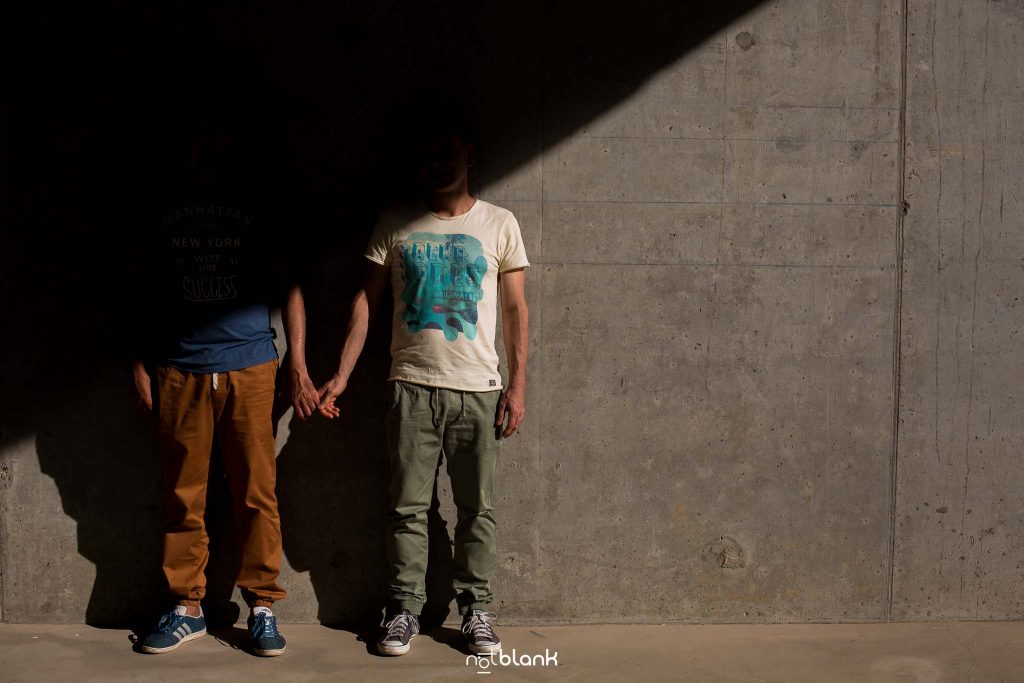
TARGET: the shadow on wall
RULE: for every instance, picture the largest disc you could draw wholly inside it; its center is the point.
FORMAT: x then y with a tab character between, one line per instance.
332	475
104	458
102	455
323	93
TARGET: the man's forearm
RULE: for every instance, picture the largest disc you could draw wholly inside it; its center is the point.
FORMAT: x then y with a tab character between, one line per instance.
515	325
295	327
355	335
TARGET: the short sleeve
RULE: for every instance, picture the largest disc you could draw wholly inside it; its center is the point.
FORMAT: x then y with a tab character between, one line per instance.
513	251
379	248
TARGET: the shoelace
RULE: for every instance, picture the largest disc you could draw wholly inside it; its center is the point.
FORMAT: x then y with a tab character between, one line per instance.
168	622
479	626
398	625
265	627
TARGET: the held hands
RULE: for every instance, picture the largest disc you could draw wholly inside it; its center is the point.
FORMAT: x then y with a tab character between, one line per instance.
305	397
513	404
328	393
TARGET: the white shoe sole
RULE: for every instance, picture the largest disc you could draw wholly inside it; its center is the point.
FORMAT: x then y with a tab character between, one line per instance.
484	649
393	650
269	653
160	650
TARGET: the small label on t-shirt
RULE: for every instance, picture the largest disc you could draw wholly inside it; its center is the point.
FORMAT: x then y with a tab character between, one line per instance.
492	382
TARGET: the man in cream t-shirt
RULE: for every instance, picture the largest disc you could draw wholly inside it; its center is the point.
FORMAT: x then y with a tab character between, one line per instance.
444	272
452	260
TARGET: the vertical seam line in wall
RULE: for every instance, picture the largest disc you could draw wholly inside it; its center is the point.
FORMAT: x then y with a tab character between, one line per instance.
2	567
898	306
542	145
543	278
3	543
3	539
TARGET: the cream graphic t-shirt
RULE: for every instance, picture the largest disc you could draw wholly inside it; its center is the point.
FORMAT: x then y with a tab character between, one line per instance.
444	273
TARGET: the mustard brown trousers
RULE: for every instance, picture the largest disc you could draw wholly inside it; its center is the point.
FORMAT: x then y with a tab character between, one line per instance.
233	408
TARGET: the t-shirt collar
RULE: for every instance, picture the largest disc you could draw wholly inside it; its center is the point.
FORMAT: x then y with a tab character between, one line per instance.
461	216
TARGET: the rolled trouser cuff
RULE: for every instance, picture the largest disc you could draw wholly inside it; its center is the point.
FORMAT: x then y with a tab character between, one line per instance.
413	605
466	609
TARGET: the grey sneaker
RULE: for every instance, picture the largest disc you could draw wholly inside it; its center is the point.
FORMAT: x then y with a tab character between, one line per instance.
476	626
401	628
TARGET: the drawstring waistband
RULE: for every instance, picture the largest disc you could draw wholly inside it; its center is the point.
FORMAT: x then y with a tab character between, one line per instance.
435	418
215	383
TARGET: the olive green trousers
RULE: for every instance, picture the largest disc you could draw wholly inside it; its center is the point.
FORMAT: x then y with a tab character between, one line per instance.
422	423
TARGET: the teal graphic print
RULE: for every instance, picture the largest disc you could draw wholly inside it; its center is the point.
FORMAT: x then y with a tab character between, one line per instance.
444	275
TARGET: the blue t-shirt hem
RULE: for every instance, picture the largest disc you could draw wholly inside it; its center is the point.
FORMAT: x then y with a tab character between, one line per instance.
228	361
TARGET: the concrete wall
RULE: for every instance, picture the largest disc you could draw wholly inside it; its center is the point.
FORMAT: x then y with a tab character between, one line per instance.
716	301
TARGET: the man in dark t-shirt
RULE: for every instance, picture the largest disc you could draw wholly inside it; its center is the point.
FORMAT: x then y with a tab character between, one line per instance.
211	347
217	282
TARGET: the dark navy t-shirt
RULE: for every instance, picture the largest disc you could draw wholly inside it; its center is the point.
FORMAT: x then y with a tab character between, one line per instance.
217	283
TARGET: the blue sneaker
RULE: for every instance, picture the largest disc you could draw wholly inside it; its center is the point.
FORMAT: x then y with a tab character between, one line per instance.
267	641
173	629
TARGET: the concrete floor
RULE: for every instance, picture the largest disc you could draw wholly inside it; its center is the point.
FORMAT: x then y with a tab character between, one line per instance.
919	652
